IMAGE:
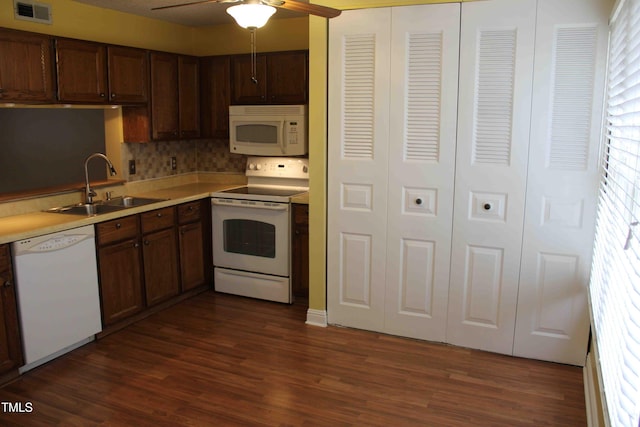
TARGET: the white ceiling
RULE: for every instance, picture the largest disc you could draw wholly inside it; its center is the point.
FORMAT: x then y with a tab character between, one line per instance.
199	15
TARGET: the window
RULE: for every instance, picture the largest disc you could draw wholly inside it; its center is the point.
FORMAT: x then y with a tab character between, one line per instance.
615	276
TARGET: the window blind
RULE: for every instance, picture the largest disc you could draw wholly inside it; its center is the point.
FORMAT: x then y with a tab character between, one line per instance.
615	276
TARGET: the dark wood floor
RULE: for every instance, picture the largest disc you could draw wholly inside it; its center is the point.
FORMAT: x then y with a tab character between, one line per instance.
223	360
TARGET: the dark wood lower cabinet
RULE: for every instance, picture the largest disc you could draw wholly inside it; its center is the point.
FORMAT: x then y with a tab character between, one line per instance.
121	284
191	255
149	259
160	266
10	348
300	250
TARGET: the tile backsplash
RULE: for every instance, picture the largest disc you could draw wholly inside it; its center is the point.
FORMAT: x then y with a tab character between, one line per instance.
153	160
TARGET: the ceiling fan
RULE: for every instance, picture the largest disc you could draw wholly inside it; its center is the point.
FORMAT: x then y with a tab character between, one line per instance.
266	7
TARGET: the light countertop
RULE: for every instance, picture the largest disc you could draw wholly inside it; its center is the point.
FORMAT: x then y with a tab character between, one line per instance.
24	226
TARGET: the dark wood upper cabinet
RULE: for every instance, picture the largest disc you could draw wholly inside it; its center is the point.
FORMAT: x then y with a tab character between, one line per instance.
215	89
164	96
288	77
282	78
81	71
189	96
128	74
26	67
245	89
96	73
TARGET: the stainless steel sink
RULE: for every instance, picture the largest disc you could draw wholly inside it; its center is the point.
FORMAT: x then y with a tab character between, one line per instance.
130	202
106	206
86	209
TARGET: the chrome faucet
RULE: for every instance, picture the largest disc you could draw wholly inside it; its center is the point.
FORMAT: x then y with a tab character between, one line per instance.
89	193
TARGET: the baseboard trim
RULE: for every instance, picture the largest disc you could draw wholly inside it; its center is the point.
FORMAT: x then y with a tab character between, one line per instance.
592	399
316	318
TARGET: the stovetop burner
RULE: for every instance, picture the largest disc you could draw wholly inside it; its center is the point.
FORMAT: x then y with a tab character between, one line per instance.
264	191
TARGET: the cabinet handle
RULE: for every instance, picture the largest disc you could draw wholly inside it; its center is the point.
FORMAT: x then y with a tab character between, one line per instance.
118	226
136	245
102	95
146	242
418	201
7	284
487	206
113	95
159	215
190	208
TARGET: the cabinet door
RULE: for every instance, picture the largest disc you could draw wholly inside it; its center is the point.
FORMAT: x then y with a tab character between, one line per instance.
244	89
26	70
10	349
164	96
160	258
422	150
189	96
562	188
215	96
494	107
82	71
120	281
300	251
287	77
128	75
358	139
192	268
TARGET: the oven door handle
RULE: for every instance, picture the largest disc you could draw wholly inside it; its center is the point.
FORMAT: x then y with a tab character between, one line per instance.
236	204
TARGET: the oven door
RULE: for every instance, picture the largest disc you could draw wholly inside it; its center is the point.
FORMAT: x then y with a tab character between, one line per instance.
251	235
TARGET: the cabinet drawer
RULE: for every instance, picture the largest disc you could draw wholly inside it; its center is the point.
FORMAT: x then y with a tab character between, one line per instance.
158	219
189	212
301	214
117	229
5	258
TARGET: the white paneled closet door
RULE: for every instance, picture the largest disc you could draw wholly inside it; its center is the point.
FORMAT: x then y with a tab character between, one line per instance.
423	109
571	46
358	135
496	67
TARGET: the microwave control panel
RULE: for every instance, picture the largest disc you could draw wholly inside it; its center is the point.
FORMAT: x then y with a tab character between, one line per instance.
292	133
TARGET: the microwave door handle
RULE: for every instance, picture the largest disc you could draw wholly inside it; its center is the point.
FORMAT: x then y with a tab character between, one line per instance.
283	145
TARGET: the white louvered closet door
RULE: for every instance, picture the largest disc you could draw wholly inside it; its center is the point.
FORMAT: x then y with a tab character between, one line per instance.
424	88
358	145
496	63
553	315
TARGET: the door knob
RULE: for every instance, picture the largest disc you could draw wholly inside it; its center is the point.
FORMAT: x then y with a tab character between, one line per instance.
487	206
419	201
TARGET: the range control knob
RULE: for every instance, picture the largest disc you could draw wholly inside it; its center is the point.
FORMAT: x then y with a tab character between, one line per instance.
305	169
258	167
251	166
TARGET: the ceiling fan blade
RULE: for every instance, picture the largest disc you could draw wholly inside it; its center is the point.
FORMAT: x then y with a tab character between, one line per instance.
311	9
189	4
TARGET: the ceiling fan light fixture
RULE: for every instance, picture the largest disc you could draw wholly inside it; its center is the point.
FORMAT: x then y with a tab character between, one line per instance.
251	15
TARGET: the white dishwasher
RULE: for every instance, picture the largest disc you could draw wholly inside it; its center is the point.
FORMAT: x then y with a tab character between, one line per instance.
56	279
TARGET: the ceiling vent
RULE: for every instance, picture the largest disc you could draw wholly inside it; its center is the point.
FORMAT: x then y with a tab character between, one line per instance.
31	11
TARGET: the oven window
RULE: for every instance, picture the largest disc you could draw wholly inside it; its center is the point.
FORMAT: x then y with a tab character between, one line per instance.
257	133
248	237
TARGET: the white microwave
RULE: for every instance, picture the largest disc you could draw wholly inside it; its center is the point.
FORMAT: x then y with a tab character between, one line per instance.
268	130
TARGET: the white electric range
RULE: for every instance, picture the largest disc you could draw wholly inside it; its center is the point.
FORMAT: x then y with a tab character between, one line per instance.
251	229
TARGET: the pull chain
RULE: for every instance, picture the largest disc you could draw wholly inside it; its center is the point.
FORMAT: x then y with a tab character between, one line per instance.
254	67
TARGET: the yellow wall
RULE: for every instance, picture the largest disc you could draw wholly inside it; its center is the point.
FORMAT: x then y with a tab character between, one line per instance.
278	34
77	20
